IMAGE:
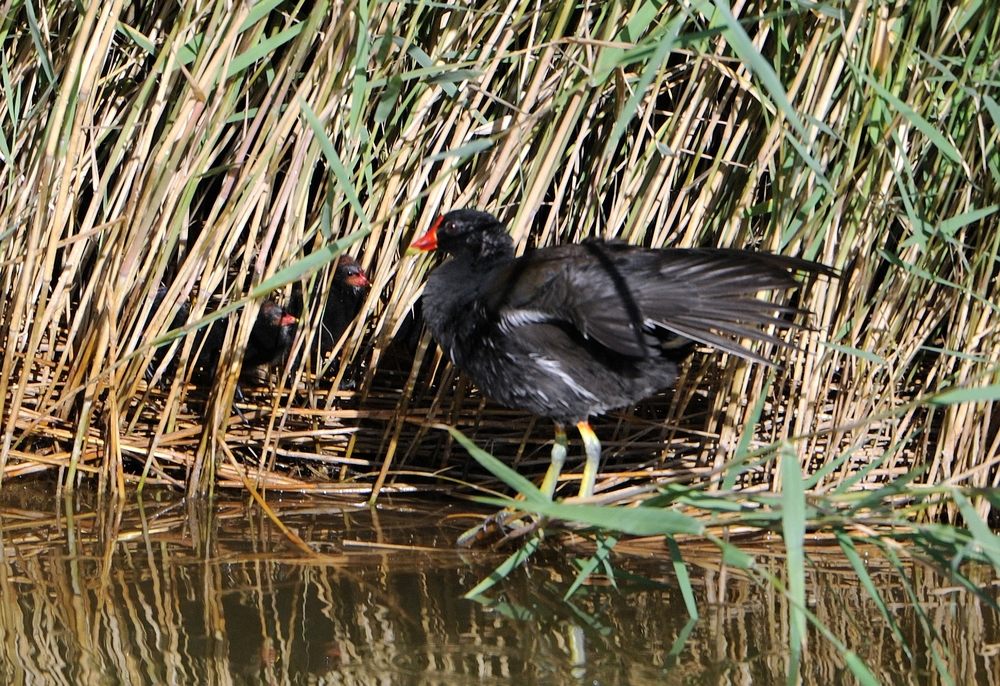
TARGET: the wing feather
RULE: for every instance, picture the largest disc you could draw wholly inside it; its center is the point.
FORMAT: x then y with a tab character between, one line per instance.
619	295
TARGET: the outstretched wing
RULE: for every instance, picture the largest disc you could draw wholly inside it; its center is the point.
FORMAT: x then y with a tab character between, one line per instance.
631	299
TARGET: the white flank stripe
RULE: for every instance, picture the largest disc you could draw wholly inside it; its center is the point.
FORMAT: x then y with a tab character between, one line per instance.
555	369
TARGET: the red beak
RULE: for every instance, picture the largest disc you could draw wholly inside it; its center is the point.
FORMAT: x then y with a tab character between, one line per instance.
429	241
287	319
358	280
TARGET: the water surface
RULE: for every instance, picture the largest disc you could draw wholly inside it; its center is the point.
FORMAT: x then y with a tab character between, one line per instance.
168	591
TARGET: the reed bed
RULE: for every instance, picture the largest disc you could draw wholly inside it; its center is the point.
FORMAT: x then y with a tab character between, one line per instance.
228	151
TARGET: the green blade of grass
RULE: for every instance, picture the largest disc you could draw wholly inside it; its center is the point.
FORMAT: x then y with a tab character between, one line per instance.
496	467
977	394
858	565
600	558
682	636
744	48
637	521
793	530
663	47
464	151
732	556
336	165
262	49
138	38
736	466
988	541
259	11
680	571
874	358
515	560
35	31
307	265
932	132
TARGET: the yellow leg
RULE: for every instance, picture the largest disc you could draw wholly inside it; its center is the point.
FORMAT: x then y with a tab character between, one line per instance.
592	445
557	461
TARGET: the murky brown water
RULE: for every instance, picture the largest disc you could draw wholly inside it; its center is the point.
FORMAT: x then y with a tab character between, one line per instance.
165	591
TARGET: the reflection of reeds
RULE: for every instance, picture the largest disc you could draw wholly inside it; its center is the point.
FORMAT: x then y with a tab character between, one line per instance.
210	592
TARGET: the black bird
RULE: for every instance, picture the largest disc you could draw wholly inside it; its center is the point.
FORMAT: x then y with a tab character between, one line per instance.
270	338
571	331
347	294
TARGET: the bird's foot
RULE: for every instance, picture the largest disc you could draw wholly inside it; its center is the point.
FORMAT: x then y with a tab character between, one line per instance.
501	528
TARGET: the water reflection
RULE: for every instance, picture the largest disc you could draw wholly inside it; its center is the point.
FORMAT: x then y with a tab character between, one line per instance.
173	591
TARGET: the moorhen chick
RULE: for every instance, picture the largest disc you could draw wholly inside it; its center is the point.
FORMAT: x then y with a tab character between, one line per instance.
270	338
572	331
347	294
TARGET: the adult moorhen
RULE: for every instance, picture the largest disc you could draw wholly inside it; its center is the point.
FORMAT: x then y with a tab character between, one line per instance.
576	330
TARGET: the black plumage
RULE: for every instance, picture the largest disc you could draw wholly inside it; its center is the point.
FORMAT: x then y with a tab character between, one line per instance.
347	294
270	338
572	331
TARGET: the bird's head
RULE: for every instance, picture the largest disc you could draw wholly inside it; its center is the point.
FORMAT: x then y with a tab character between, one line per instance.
467	233
274	316
349	273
